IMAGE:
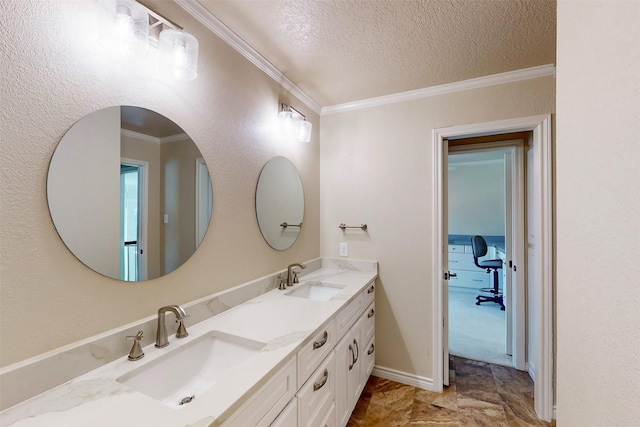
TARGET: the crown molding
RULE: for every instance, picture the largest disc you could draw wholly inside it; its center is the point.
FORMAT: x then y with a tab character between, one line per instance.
494	79
206	18
155	140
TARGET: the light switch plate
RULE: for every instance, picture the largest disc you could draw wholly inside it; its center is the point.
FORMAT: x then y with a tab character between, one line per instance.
344	249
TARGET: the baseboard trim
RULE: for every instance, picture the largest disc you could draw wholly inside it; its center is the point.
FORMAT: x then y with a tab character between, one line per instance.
404	378
531	368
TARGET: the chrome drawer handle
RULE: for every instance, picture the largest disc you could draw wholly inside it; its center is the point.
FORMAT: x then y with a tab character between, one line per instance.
318	344
318	386
371	289
371	350
371	313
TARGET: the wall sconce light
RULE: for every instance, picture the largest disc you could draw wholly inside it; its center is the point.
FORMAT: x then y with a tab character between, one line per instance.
294	124
135	27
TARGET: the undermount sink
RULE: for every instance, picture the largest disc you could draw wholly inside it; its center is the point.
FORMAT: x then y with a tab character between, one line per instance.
186	372
317	291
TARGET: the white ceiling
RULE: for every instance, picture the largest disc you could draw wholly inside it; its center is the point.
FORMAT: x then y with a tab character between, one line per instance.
341	51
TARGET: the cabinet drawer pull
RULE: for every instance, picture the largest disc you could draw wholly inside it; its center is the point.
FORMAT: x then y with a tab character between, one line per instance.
353	359
318	386
371	289
355	343
371	313
318	344
371	349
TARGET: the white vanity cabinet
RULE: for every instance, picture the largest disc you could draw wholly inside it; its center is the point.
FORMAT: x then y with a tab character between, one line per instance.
354	362
332	370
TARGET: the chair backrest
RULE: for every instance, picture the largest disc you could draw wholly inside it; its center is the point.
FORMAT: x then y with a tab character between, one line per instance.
479	248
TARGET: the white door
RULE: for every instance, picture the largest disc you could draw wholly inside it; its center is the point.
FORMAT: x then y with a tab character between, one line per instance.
445	262
514	248
508	248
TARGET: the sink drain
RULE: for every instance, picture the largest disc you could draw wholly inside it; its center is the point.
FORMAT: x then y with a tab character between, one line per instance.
187	399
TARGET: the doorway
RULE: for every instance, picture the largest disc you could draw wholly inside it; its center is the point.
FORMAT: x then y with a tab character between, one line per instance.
133	219
541	359
485	196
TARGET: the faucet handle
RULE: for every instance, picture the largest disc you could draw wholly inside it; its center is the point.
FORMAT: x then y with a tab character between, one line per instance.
295	277
136	352
182	331
136	337
283	283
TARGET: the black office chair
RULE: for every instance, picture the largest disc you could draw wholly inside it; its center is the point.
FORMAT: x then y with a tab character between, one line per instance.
479	247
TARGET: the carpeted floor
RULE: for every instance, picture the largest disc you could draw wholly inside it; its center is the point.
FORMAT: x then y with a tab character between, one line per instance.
476	332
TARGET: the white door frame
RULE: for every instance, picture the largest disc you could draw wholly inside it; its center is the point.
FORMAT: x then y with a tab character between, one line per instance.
143	214
541	129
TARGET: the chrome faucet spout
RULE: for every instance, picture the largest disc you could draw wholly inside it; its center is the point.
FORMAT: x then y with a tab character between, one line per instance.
289	278
161	334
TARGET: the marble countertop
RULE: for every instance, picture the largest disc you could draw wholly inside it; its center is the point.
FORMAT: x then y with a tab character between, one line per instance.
284	323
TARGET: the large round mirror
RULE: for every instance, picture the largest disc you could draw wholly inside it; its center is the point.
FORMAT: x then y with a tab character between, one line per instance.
129	193
280	203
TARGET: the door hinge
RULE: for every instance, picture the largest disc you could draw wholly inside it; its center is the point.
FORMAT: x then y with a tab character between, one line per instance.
510	263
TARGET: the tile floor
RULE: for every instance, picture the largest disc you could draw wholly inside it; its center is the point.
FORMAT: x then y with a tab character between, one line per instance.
480	394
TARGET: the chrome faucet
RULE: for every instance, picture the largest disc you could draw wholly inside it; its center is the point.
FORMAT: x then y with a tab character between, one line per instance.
161	334
290	281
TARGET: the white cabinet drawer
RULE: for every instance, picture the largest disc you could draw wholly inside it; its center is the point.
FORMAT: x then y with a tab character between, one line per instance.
369	323
265	405
369	294
349	315
288	417
369	359
316	397
330	419
471	279
468	249
314	351
456	249
462	262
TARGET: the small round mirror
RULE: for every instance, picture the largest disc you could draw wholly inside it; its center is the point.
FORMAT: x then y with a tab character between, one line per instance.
129	193
280	203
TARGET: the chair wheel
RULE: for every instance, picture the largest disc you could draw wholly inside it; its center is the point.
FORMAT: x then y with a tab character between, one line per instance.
477	302
502	308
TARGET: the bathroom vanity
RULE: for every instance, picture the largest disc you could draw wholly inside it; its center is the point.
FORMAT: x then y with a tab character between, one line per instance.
294	357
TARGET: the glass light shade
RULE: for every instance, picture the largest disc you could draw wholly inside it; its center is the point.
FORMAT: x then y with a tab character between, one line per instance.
179	53
304	131
129	32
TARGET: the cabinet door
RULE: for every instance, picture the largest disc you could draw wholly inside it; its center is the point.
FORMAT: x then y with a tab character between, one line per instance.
356	383
345	355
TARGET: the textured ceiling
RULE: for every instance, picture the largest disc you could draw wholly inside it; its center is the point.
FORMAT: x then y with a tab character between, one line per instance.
340	51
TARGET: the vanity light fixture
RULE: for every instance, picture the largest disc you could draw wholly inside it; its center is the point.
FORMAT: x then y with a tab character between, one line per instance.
127	31
136	27
293	122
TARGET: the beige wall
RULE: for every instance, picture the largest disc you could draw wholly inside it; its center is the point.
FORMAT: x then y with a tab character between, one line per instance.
376	168
598	213
178	160
53	75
